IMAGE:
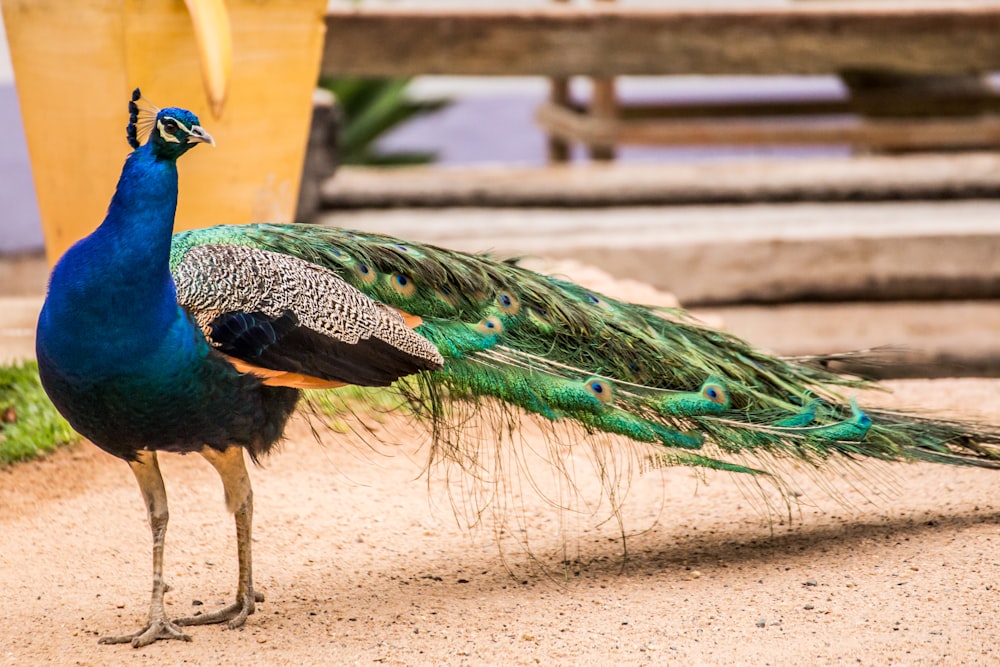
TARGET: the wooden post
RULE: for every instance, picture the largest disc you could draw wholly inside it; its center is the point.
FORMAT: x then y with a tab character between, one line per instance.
559	95
603	106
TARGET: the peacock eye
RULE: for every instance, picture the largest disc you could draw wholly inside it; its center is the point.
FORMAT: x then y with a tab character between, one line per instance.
170	125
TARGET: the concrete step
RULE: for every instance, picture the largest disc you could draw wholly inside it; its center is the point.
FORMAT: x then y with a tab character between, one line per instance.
18	317
909	339
864	178
721	254
23	274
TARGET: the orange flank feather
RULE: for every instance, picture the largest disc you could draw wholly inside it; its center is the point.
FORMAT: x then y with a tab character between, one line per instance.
412	321
274	378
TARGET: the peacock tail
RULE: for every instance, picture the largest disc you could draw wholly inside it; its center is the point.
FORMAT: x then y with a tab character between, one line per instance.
695	395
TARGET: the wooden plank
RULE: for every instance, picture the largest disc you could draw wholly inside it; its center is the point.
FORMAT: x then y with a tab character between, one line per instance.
604	41
916	133
858	132
863	177
924	105
792	107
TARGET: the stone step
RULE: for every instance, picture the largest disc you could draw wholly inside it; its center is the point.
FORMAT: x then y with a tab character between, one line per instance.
864	177
18	317
764	253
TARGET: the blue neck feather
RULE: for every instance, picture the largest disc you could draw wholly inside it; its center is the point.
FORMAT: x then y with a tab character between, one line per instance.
111	297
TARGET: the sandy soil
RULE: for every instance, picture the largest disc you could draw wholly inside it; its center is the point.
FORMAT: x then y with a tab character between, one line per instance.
363	562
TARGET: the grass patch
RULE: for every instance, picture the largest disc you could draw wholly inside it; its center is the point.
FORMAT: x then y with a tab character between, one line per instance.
29	423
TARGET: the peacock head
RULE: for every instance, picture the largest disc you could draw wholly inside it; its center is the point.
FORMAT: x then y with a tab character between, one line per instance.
172	131
175	132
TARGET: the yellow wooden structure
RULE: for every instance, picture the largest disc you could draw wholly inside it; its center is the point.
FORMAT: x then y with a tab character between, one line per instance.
77	61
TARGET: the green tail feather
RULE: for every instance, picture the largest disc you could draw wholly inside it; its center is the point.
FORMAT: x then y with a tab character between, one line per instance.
562	352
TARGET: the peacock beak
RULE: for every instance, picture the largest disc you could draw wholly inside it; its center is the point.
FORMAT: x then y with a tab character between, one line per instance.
199	135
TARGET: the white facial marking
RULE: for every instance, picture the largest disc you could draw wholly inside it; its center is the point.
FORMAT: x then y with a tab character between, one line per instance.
166	136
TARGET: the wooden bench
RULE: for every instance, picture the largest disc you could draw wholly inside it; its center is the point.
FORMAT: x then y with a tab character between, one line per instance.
913	69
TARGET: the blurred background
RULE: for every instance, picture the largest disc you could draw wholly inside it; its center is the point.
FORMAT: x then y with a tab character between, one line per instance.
813	175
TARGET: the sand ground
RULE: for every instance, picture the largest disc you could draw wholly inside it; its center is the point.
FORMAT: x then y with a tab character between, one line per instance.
362	562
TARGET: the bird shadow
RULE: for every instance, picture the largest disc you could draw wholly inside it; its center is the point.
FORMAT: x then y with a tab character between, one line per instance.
736	548
712	555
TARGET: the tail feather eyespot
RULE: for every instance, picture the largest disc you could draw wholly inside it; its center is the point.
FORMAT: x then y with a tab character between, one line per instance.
402	284
366	273
601	390
490	326
716	393
508	303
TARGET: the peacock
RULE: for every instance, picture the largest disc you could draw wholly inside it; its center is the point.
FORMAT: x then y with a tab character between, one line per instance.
202	342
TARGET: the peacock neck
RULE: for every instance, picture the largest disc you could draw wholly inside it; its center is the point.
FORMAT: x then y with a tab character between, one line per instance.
117	280
137	229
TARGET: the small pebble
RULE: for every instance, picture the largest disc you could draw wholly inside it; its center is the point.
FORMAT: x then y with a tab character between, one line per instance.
196	603
762	623
810	582
809	606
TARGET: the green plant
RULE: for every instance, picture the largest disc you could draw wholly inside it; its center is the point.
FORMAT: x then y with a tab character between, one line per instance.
29	423
371	108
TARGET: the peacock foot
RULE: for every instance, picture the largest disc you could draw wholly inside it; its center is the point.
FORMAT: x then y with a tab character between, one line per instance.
159	628
236	613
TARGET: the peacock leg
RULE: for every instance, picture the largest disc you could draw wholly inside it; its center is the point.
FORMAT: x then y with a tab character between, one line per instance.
239	500
147	472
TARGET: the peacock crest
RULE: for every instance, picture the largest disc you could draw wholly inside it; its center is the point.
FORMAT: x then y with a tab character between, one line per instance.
141	119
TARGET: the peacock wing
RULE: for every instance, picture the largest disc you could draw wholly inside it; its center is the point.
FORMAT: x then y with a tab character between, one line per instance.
296	323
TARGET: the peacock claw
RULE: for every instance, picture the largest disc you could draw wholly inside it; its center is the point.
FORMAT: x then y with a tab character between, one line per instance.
236	613
158	629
